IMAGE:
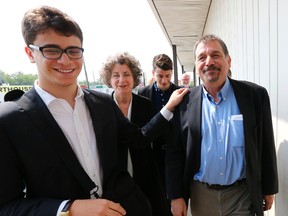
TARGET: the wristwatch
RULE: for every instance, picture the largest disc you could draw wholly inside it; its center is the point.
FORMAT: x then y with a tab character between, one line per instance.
65	210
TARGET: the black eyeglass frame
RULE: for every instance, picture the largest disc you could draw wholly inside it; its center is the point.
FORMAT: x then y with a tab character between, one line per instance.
32	46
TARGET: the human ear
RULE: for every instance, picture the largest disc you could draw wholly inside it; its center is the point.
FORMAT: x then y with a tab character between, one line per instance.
30	54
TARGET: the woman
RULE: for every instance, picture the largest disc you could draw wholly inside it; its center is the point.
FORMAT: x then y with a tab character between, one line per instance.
122	72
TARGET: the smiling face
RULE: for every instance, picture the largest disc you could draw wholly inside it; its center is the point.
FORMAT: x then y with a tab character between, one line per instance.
121	79
53	75
211	64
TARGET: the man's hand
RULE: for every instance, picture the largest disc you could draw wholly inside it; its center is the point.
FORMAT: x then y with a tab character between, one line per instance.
96	207
176	98
178	207
267	202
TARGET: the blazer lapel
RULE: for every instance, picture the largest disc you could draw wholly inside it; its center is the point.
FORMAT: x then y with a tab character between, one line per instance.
101	123
137	105
194	120
150	91
39	114
242	96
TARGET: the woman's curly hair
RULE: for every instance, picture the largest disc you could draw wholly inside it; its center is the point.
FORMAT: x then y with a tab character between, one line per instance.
123	58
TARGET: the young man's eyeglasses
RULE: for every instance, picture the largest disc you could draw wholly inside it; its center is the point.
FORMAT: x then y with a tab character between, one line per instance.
54	53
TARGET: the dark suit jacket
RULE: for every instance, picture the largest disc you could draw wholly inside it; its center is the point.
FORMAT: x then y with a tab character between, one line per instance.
145	170
160	143
184	151
141	113
34	153
148	91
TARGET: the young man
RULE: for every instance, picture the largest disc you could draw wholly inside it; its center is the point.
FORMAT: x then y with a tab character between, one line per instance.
60	144
159	93
222	151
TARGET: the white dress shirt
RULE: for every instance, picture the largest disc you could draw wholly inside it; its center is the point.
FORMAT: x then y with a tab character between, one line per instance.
77	126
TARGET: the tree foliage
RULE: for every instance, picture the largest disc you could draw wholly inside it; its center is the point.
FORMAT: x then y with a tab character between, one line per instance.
17	78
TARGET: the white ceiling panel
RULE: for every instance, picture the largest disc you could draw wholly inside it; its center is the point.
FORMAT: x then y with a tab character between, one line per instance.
182	21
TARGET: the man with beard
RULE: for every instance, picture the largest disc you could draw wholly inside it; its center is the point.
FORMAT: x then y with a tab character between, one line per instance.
221	154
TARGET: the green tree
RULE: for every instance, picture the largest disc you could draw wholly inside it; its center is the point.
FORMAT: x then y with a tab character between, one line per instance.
18	78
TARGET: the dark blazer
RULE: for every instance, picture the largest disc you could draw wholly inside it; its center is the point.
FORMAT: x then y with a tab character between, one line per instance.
160	143
184	151
141	113
34	153
148	91
145	170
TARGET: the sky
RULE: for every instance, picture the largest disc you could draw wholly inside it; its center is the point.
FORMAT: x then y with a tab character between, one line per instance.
109	26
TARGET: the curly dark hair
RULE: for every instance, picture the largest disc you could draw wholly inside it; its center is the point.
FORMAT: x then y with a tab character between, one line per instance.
121	58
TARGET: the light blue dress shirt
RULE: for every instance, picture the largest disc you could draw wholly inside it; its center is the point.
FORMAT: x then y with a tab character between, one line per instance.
222	148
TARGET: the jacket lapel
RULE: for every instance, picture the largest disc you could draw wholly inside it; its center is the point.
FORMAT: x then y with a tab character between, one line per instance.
194	122
150	92
242	97
101	123
39	114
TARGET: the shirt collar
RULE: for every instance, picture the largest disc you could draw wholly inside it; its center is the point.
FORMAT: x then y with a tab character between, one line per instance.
48	98
158	89
130	106
223	93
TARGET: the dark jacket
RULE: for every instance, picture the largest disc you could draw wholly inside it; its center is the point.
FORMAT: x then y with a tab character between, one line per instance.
160	143
184	150
35	153
149	92
145	170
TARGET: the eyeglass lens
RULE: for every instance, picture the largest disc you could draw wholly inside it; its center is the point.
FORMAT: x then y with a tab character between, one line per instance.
55	53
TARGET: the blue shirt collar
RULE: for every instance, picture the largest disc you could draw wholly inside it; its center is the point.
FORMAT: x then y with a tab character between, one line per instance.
222	94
